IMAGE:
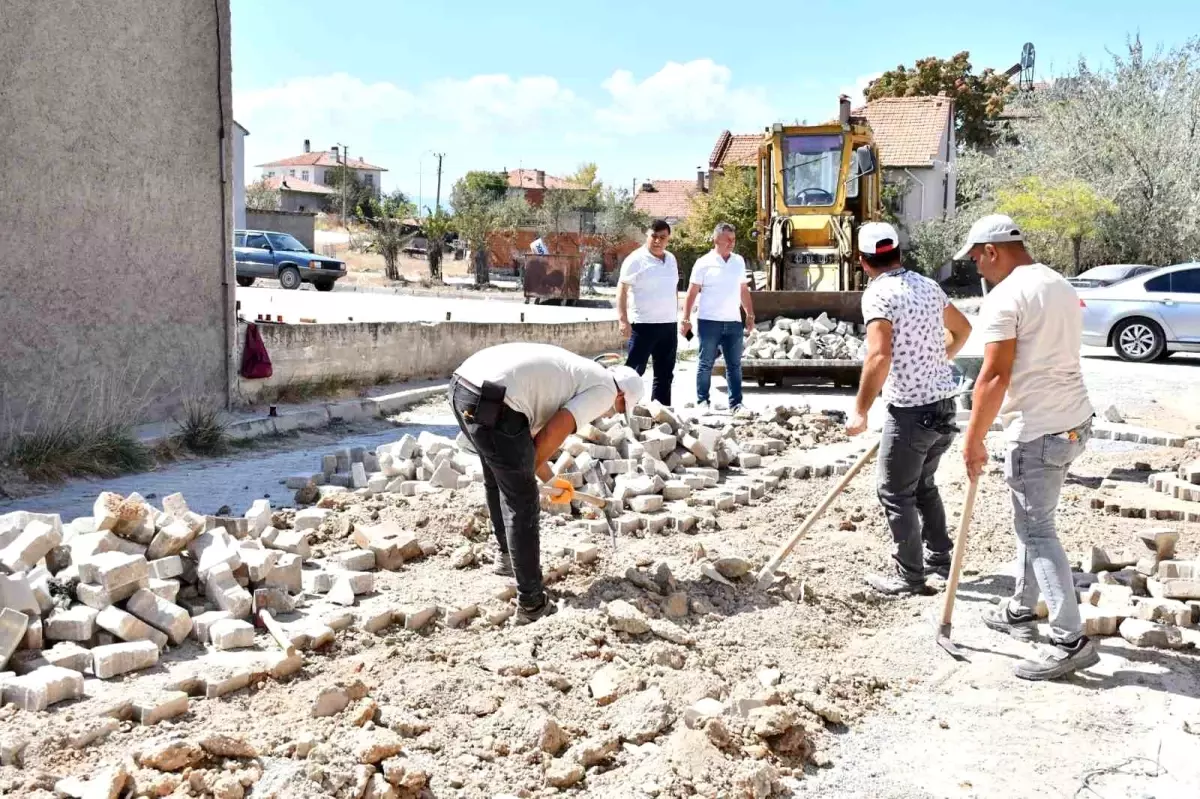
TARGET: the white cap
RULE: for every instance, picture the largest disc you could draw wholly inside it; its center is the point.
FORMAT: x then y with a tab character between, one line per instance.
991	229
876	238
630	384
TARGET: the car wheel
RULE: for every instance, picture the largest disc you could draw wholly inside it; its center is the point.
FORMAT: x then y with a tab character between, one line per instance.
245	282
1164	355
1139	340
289	278
325	285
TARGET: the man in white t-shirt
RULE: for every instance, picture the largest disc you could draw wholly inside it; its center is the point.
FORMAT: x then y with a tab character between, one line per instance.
647	306
516	404
719	280
912	333
1032	328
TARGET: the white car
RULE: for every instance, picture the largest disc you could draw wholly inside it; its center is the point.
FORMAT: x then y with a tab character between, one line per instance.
1148	317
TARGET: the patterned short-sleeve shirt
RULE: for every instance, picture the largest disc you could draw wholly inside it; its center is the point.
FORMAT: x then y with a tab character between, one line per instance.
915	305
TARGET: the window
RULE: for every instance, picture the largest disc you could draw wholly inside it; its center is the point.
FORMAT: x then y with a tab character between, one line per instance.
1160	283
257	241
368	179
587	222
282	241
329	173
1187	281
271	173
304	175
812	166
239	240
291	173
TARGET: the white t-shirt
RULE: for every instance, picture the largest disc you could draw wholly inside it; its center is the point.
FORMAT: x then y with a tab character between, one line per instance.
915	305
720	283
542	379
653	287
1038	308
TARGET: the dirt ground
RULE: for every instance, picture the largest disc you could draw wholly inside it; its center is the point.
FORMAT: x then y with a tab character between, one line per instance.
875	708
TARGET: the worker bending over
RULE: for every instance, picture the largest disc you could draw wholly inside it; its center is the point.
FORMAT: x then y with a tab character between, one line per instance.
516	404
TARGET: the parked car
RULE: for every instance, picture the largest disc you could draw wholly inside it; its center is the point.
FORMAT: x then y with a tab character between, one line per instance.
1099	276
1147	317
266	253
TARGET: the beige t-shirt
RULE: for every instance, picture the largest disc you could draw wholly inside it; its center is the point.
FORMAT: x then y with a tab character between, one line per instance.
541	379
1040	309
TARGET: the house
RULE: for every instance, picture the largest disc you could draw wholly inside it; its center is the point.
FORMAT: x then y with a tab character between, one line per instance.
669	200
297	194
917	147
532	184
239	175
118	306
319	168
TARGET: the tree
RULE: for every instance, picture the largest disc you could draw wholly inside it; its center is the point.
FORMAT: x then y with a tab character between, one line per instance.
481	208
732	198
557	205
261	197
396	205
390	237
1070	210
617	218
357	195
492	185
436	227
585	178
978	98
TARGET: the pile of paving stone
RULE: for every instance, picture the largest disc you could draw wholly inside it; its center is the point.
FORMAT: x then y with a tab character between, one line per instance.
1152	600
822	338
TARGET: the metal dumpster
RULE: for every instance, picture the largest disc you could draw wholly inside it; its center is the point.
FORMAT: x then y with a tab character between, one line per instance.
551	278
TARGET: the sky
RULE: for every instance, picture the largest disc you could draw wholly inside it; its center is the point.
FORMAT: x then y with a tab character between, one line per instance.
643	90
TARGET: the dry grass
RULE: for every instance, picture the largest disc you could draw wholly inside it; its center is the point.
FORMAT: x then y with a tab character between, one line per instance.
202	429
53	454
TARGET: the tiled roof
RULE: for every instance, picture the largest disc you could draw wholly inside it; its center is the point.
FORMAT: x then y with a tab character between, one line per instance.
528	179
735	149
908	130
296	184
323	158
665	199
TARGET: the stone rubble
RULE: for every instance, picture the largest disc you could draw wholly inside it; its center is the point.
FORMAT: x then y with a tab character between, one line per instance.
820	338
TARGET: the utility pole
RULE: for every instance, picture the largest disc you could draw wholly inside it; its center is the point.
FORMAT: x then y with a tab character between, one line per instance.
437	204
345	180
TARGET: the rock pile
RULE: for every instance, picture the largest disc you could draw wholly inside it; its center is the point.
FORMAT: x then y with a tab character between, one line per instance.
821	338
1152	600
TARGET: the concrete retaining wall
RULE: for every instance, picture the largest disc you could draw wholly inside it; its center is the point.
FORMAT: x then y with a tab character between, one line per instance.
396	351
300	225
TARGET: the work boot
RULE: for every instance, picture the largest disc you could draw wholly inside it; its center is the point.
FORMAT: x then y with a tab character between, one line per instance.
1059	660
938	563
530	614
503	565
1002	620
894	583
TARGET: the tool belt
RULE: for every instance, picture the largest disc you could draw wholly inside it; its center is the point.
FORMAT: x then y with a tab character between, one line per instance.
489	402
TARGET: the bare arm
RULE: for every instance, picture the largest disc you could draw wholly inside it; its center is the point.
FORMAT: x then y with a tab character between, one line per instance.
990	387
876	366
548	441
623	307
748	306
958	330
689	302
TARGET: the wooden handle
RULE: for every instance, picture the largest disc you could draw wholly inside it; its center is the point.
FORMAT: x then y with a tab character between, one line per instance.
960	550
590	499
767	574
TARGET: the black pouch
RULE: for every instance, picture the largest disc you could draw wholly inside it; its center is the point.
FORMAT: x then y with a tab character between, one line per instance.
491	401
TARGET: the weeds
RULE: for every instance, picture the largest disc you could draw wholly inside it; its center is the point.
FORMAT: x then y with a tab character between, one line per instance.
54	454
203	429
302	391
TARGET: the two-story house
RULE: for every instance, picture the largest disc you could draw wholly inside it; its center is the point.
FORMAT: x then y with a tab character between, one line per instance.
320	167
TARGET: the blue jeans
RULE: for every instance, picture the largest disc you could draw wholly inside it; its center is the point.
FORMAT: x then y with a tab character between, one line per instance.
726	337
1035	471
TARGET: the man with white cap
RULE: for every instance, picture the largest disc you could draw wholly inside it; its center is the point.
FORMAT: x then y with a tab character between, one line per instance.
912	332
1032	330
516	404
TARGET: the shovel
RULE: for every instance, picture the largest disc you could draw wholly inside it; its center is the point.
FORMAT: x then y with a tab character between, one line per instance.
960	549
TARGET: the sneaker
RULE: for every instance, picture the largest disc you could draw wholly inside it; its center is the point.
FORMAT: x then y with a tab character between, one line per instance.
895	585
938	563
528	615
1059	660
1001	619
503	565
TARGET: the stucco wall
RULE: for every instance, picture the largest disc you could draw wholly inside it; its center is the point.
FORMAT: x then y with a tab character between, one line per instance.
299	225
115	230
405	350
239	176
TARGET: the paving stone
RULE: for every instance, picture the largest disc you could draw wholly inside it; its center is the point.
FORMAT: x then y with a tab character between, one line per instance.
29	546
212	549
286	574
258	561
161	706
276	600
294	542
1161	541
16	593
13	624
78	623
165	568
224	592
172	539
376	620
161	614
460	615
167	589
116	659
354	560
647	503
1145	633
202	624
418	617
98	597
231	634
259	516
653	523
128	627
391	544
316	581
34	635
310	518
46	686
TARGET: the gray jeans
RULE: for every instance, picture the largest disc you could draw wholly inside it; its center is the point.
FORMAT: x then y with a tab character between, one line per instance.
914	440
1035	471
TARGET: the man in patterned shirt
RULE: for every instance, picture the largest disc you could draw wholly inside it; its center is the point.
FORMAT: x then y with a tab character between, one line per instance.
912	332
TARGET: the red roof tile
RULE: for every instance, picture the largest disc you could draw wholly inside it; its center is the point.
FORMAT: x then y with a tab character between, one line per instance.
296	184
665	199
322	158
529	179
735	149
909	130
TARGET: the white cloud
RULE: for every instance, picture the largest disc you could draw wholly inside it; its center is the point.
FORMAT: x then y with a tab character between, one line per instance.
857	92
681	96
485	102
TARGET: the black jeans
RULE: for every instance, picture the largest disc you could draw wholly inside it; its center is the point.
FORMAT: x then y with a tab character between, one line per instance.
657	341
914	440
509	480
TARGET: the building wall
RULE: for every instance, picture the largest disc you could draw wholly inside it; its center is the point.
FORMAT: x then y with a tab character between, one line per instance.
396	351
299	225
239	177
301	202
115	233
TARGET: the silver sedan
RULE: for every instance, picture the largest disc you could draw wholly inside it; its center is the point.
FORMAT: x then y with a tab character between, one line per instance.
1147	317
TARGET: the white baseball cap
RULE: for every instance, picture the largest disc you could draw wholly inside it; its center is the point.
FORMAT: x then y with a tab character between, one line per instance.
630	384
876	238
991	229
